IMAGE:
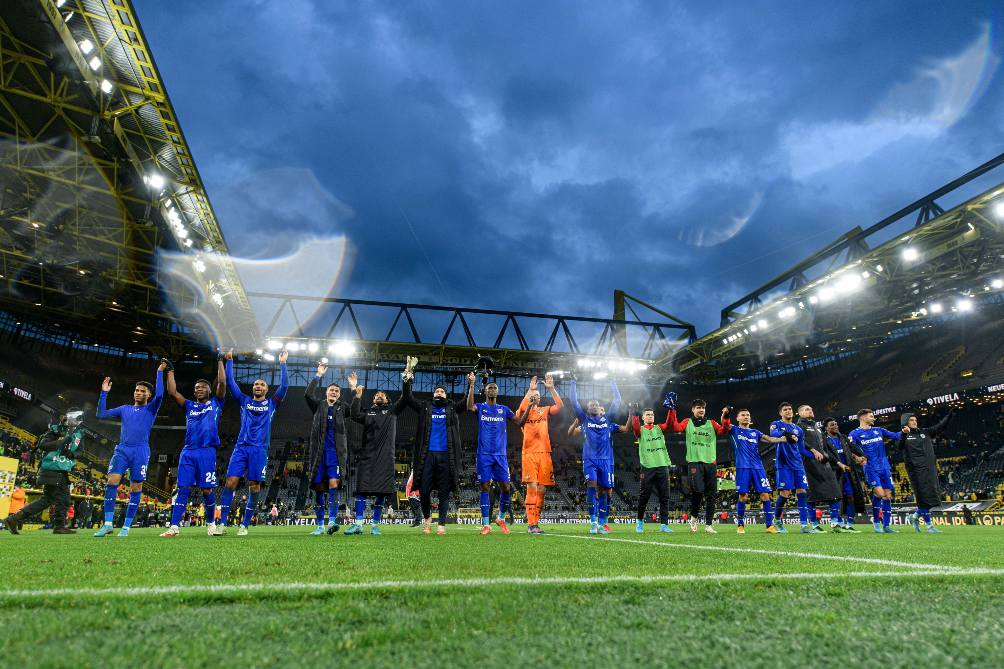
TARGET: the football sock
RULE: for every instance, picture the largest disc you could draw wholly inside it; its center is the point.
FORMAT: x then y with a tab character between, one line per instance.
360	509
779	513
886	512
803	508
226	501
925	514
110	491
591	503
486	507
250	507
319	506
131	509
740	512
180	502
768	516
504	499
377	509
849	513
603	501
333	495
835	512
209	500
876	508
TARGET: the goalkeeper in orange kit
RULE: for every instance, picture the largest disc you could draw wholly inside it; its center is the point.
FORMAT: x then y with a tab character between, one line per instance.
538	471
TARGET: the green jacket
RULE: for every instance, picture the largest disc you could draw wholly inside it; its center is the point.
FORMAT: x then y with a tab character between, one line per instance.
60	450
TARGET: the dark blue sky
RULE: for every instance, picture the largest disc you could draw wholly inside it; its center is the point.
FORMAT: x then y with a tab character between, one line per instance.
536	156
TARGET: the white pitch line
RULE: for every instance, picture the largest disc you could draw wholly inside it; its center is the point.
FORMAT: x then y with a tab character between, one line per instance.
763	551
256	588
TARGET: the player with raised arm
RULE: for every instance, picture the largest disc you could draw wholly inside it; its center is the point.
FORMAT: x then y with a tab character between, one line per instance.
327	446
788	467
701	437
250	457
922	467
878	473
197	462
538	469
492	456
436	458
654	462
750	473
598	428
132	453
374	475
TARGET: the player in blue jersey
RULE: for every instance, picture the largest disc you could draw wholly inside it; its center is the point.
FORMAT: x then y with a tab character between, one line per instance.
789	470
493	453
750	473
598	428
250	456
327	446
878	473
197	462
132	453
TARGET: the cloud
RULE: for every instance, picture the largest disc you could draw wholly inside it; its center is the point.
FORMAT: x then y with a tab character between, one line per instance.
932	100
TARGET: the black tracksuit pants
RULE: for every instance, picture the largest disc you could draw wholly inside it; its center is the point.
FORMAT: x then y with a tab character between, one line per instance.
703	478
436	476
656	478
57	493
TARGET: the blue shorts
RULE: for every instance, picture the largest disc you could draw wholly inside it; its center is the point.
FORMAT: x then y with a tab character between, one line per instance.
846	487
248	462
132	459
600	472
327	469
790	478
197	467
752	479
493	468
879	477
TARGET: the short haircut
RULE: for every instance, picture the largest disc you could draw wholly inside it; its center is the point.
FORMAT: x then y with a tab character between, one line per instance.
334	385
831	419
864	412
198	381
783	405
698	403
438	386
744	409
647	409
145	384
804	405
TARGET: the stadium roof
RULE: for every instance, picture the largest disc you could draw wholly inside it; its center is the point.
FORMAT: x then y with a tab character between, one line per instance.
106	222
847	296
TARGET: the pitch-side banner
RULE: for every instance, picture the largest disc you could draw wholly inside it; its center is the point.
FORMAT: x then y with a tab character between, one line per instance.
8	472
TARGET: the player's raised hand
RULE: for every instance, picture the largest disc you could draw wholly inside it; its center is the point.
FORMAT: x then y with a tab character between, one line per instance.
906	429
322	367
471	378
725	413
353	380
533	383
106	385
229	355
549	381
359	391
283	356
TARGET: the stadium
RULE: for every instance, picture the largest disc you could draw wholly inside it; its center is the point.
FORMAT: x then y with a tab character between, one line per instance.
206	457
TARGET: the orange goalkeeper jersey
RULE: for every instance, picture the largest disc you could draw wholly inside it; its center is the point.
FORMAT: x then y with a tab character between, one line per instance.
535	436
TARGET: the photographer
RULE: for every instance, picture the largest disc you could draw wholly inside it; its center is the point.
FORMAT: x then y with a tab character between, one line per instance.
59	446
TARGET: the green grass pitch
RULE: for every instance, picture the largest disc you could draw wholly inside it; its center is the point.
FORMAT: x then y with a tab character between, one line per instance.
281	598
